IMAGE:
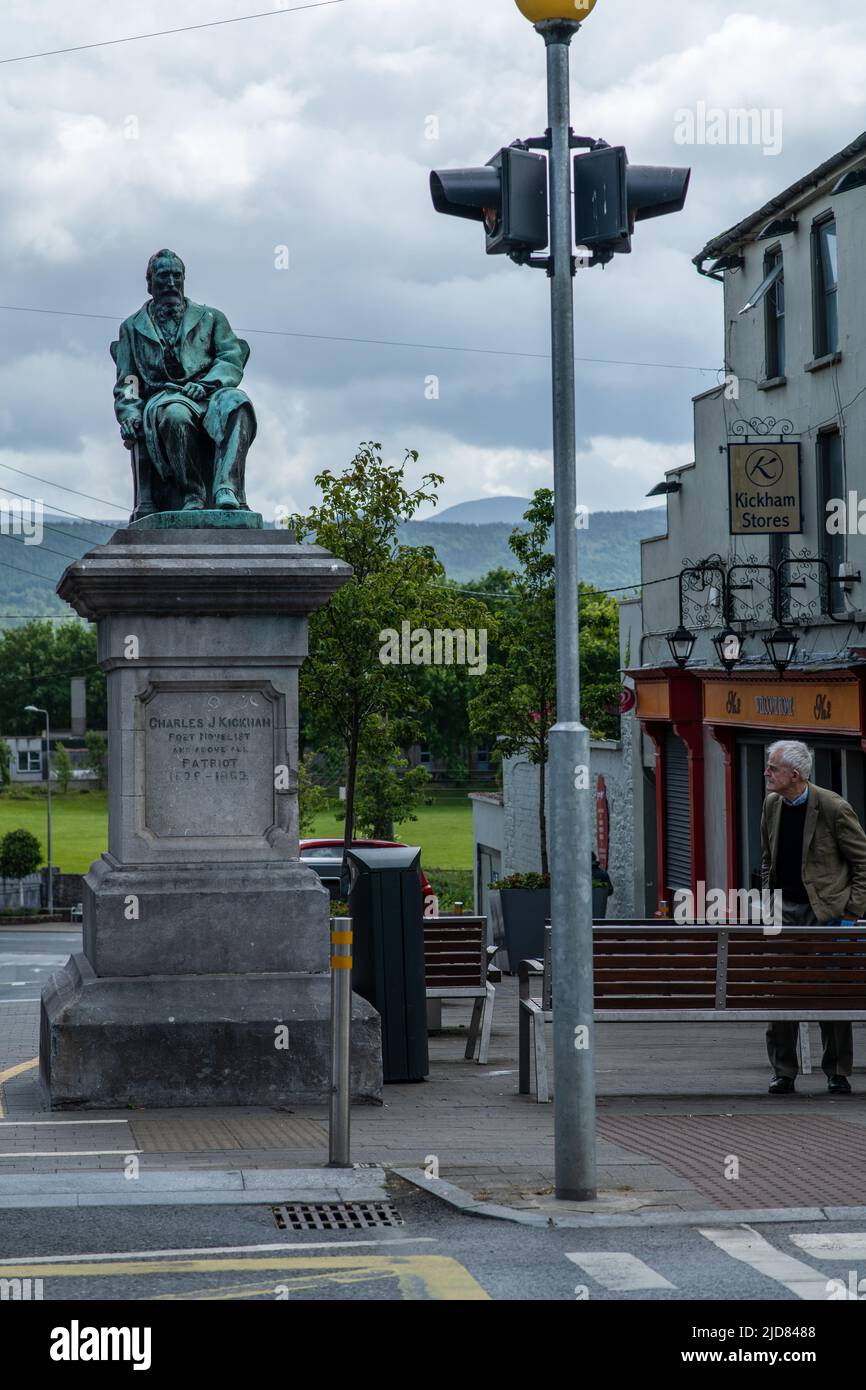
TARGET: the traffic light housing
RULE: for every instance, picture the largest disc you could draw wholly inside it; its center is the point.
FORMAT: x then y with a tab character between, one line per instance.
610	195
508	195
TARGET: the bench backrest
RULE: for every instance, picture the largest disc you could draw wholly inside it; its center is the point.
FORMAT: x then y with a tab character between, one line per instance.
455	951
665	966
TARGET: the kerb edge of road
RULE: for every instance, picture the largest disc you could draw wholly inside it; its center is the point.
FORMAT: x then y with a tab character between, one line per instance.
468	1205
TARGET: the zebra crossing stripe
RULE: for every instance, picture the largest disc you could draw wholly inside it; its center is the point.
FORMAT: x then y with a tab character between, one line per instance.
844	1245
746	1245
618	1271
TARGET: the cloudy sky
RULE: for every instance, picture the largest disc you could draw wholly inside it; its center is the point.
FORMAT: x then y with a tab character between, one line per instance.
311	131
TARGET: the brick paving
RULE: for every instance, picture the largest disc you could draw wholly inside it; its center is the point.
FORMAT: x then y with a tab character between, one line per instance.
787	1161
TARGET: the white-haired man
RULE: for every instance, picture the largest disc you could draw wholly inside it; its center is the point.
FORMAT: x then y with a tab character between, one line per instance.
814	852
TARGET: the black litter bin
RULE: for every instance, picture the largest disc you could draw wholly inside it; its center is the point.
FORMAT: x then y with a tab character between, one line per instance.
386	908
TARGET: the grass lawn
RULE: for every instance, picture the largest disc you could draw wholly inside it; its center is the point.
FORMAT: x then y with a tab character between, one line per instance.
443	830
80	828
79	824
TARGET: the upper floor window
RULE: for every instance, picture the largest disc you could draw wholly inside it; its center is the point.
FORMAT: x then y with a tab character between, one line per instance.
774	312
831	488
825	281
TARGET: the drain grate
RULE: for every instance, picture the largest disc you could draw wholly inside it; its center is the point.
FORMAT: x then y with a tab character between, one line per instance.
335	1216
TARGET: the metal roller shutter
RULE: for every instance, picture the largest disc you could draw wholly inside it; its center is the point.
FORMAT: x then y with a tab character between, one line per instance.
678	824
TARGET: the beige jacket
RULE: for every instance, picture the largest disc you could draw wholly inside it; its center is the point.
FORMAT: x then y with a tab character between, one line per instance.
834	854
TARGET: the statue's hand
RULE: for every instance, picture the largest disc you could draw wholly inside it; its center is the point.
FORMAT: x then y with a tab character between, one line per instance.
131	429
194	390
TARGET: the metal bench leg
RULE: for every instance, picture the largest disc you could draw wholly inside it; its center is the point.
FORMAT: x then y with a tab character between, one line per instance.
542	1089
523	1052
486	1024
805	1050
473	1029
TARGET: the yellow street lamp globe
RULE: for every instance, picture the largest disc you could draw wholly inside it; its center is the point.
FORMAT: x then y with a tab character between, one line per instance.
538	10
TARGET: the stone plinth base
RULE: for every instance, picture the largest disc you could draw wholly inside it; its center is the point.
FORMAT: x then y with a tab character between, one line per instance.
210	919
180	1040
207	519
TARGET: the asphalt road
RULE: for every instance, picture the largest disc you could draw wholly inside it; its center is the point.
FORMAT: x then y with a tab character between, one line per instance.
27	958
239	1253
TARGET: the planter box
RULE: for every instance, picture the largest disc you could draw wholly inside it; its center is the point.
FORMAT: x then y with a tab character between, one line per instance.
518	916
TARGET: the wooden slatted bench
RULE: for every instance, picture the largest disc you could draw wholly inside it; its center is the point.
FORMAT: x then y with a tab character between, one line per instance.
660	971
455	960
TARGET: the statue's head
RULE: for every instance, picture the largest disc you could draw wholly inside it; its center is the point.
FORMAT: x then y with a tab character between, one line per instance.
165	276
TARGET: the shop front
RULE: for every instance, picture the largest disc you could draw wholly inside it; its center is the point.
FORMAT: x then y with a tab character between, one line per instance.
668	705
742	714
746	714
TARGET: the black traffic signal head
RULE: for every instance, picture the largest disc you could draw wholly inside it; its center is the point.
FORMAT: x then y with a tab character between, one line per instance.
509	195
610	195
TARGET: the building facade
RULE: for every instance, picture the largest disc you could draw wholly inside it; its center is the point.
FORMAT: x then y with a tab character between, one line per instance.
752	622
506	827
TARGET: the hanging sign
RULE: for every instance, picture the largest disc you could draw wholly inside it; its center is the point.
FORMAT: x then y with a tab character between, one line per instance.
764	489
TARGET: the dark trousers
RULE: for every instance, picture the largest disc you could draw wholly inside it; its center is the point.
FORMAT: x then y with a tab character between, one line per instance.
837	1038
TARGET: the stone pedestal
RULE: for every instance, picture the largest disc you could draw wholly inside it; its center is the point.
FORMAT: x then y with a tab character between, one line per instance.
204	977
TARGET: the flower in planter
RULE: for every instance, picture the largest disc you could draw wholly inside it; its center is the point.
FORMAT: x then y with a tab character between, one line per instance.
522	881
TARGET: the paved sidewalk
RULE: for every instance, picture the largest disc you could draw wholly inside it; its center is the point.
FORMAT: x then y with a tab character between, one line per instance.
684	1125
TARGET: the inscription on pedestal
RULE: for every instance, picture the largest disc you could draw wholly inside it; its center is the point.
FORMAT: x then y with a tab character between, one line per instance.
209	762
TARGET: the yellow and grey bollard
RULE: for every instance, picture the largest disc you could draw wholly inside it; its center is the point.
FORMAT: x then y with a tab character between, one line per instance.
341	1043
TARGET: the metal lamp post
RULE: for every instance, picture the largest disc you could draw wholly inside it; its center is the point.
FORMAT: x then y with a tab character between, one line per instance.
34	709
557	21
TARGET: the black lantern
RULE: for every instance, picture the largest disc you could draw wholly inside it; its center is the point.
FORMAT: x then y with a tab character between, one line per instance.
782	648
729	648
682	644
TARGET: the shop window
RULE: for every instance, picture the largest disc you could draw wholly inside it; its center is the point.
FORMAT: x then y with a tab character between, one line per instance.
827	770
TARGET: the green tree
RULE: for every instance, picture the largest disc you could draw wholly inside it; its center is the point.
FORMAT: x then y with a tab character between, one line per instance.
20	854
600	679
347	677
97	755
387	790
312	798
5	765
61	764
445	726
515	705
37	661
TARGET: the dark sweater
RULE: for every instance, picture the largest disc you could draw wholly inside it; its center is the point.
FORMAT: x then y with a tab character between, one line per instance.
789	864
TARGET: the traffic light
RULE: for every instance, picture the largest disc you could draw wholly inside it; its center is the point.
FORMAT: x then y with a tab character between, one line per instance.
509	195
610	195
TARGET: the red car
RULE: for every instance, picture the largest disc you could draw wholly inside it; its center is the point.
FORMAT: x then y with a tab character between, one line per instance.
325	857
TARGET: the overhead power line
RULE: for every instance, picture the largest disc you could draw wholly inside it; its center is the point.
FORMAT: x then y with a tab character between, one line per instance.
74	491
161	33
383	342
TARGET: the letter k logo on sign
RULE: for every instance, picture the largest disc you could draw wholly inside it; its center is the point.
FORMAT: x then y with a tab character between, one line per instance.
764	466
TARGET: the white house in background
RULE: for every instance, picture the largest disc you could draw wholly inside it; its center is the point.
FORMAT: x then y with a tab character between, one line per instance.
27	757
506	832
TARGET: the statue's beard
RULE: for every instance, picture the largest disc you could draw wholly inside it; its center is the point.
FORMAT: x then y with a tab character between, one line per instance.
170	301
